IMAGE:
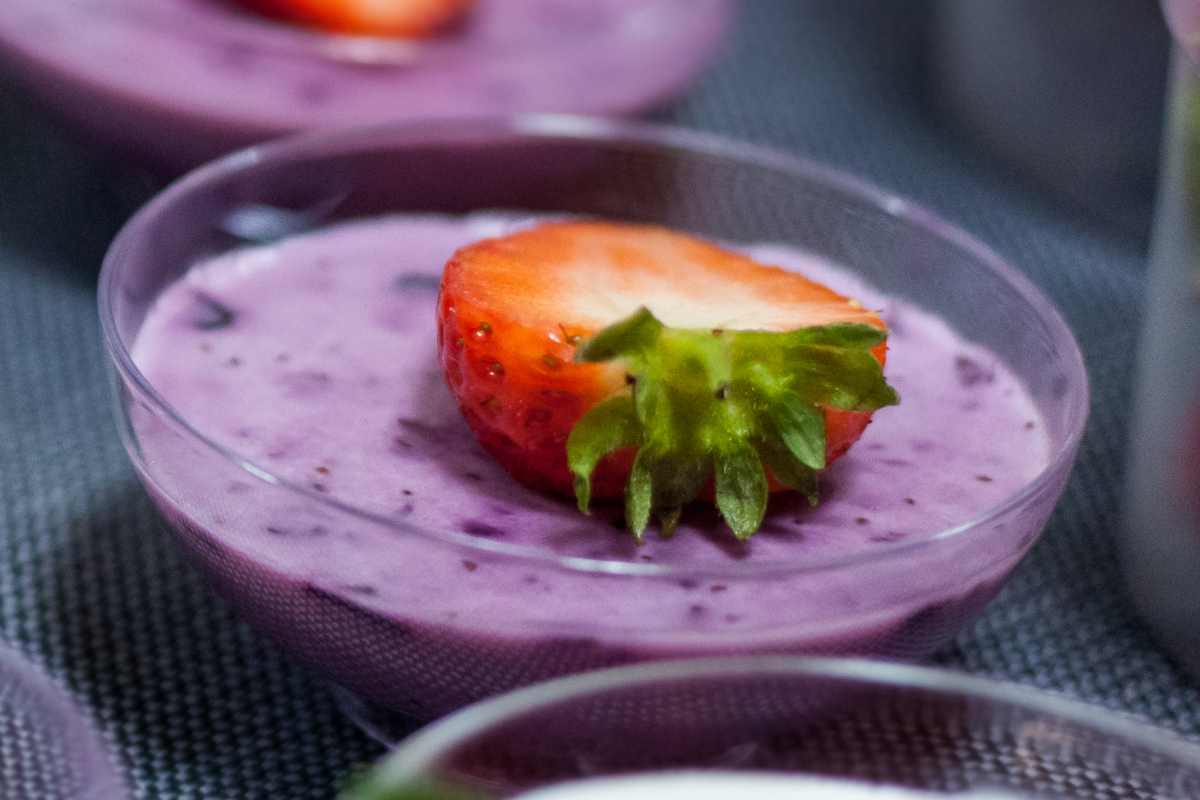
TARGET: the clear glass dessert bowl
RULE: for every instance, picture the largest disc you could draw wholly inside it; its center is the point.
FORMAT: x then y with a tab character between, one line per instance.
422	611
890	725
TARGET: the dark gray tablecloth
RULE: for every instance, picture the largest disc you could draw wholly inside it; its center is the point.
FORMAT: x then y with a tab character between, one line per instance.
197	706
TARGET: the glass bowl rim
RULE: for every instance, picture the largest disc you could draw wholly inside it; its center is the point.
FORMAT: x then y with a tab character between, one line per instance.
412	759
600	132
83	745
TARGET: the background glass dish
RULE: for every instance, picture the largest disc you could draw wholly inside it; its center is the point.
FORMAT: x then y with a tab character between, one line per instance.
176	82
836	719
47	749
555	164
1160	534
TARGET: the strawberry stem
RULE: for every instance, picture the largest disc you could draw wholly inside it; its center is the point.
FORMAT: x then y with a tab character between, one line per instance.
721	405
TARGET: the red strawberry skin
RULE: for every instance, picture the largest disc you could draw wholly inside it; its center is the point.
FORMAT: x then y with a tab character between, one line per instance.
406	18
521	394
509	321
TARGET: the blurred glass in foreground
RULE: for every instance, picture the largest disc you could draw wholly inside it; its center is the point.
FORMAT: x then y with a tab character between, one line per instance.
772	727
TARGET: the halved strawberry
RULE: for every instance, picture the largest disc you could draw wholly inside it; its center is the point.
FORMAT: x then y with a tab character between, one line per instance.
603	358
411	18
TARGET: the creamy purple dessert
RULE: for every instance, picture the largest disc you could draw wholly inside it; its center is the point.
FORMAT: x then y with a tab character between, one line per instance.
178	81
416	571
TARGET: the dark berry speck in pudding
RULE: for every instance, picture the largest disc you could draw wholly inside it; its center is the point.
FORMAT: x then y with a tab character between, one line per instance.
413	568
179	81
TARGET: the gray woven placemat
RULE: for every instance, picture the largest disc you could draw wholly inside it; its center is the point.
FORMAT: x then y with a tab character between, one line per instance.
197	706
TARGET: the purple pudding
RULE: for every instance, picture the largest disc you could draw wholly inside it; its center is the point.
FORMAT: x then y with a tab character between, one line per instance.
178	81
369	532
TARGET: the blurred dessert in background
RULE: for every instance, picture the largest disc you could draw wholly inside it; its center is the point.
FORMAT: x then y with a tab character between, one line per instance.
174	82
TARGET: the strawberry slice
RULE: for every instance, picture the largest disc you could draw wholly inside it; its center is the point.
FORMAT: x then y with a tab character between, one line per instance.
406	18
603	358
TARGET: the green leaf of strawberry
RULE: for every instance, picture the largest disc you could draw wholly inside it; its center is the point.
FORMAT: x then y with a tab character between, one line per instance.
801	427
788	470
858	337
741	488
610	425
635	334
639	494
719	405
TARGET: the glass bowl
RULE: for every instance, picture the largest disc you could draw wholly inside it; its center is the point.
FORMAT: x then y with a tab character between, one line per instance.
47	749
372	623
899	726
175	82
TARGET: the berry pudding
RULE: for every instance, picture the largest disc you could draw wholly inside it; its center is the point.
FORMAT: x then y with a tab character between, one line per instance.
178	81
317	358
291	416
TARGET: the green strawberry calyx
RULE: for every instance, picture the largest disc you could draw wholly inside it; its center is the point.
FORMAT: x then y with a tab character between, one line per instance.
378	784
721	405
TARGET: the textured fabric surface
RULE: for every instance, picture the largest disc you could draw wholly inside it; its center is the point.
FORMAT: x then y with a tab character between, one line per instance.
196	706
